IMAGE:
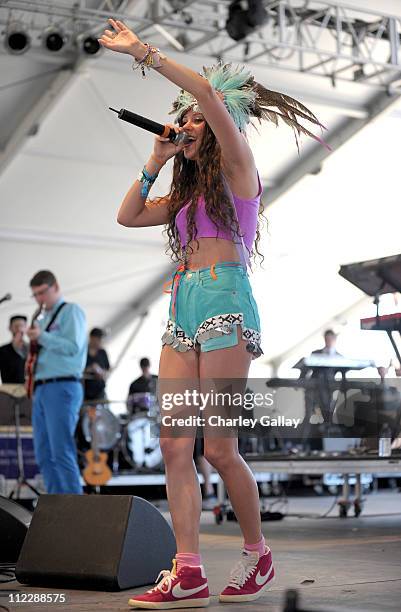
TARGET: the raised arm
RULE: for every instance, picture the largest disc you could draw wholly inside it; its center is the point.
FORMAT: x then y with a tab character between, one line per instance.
236	153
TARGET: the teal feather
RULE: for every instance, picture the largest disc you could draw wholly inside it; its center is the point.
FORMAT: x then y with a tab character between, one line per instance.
245	98
235	83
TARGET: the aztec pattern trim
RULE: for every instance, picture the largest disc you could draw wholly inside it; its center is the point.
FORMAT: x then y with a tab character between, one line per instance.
212	327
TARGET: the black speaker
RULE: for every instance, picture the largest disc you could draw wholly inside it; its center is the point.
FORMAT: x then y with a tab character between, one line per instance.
14	523
105	542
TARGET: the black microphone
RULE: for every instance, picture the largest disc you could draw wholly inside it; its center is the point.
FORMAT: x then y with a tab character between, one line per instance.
151	126
8	296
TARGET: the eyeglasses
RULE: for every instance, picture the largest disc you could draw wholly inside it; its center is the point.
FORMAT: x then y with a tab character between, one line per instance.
37	294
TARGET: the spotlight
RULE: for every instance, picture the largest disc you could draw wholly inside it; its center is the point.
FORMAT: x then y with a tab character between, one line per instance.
17	41
257	14
244	16
54	42
53	39
90	45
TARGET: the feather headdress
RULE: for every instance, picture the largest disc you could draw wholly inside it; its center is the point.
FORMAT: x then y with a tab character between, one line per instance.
244	98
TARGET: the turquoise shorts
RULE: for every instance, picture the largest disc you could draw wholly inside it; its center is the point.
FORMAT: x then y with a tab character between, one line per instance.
207	305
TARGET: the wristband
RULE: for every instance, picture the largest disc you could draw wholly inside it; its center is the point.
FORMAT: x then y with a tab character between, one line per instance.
147	181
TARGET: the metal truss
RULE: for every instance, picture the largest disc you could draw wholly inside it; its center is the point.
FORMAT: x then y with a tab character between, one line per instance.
324	38
327	39
65	68
73	17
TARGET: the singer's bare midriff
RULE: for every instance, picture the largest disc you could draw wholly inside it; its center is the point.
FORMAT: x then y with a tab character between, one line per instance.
210	251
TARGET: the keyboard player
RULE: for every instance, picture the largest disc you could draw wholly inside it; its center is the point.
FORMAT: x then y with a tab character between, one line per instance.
320	395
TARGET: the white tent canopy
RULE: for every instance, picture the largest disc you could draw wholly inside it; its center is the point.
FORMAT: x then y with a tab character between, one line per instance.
60	192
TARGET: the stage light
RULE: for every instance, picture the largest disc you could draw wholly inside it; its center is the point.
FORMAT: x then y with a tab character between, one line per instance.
90	45
244	16
54	39
17	40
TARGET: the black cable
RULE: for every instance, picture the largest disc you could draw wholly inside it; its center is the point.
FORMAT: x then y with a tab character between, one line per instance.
283	502
333	505
282	499
305	515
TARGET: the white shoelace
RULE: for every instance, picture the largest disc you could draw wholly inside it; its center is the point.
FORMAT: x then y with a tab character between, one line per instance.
167	580
242	571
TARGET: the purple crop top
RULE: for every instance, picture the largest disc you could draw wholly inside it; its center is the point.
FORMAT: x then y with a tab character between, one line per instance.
247	211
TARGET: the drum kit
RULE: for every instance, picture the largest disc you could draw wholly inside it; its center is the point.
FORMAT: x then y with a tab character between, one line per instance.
131	439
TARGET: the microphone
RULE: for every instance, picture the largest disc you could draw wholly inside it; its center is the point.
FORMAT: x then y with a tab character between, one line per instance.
5	298
151	126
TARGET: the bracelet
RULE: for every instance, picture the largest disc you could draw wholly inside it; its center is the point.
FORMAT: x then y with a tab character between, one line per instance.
151	59
147	180
140	62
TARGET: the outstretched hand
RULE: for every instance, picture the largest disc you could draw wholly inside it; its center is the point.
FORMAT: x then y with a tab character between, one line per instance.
121	39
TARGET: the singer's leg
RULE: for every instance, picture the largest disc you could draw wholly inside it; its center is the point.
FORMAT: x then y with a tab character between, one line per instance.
183	490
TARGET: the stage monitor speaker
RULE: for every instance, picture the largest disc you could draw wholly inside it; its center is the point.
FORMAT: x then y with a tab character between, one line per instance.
106	542
14	523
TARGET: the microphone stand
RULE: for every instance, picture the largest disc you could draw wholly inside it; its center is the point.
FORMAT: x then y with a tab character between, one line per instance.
21	480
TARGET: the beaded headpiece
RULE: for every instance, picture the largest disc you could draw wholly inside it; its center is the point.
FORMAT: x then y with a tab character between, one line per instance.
244	98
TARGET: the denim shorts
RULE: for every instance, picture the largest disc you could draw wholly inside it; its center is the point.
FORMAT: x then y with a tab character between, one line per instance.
207	305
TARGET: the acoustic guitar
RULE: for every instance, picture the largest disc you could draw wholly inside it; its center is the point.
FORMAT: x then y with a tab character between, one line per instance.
32	358
97	472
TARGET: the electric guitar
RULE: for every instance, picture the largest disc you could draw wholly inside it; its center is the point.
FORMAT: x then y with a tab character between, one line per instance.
97	472
32	358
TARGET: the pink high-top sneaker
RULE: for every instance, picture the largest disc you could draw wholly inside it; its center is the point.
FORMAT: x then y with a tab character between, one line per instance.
186	589
250	578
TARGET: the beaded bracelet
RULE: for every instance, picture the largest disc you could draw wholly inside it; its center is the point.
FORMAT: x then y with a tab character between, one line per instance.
147	180
151	59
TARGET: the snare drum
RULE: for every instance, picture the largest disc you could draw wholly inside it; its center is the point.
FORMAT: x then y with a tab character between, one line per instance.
140	443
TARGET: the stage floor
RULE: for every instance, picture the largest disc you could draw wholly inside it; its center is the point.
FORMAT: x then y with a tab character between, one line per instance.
349	564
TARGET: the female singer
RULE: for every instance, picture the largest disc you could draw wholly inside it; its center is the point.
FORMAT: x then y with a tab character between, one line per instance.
213	331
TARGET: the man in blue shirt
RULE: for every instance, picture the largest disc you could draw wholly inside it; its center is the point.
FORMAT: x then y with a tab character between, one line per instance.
58	390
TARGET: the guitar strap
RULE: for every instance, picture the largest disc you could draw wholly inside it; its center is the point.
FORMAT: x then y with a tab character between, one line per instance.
50	323
48	326
34	364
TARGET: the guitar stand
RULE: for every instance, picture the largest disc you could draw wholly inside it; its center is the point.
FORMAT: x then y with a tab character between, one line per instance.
93	489
21	480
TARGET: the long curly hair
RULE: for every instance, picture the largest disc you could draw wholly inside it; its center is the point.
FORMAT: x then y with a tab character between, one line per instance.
190	180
